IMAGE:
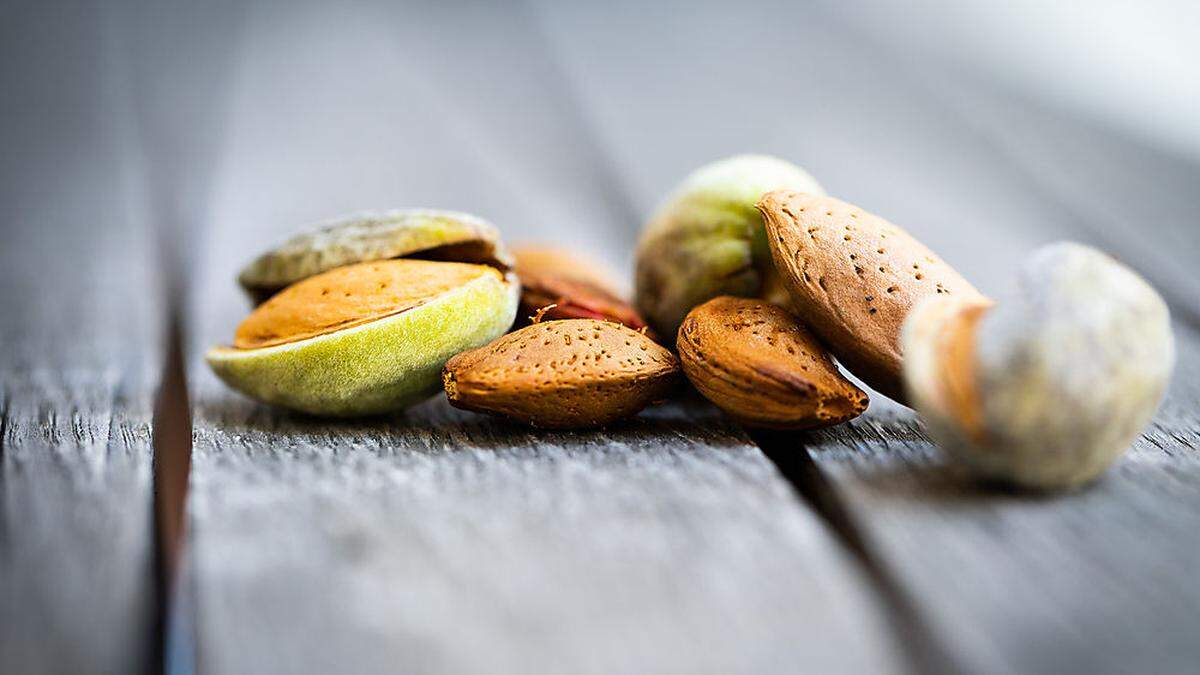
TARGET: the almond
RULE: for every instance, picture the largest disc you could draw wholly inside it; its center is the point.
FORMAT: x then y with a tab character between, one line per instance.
576	373
1046	389
350	296
560	262
415	233
366	338
763	368
571	287
853	278
707	240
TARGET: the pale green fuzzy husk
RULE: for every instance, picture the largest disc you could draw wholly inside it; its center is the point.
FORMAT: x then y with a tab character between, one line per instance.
708	238
370	236
1068	373
1074	373
382	366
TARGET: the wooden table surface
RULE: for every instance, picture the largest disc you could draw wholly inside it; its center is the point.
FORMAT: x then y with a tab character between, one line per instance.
151	149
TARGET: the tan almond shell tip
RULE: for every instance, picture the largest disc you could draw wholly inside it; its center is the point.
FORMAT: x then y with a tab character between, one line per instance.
853	277
940	375
570	374
422	233
756	362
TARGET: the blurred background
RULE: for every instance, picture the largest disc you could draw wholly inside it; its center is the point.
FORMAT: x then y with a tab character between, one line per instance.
569	121
1129	65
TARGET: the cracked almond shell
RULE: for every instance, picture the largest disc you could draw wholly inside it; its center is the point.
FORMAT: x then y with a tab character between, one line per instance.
708	240
763	368
366	338
853	277
1044	390
576	287
570	374
416	233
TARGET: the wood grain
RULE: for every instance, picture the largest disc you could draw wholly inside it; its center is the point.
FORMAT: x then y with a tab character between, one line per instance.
80	322
1098	581
1021	583
440	541
445	542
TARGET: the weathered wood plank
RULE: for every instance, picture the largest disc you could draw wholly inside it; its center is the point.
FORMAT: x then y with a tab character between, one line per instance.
444	543
80	322
440	541
1097	581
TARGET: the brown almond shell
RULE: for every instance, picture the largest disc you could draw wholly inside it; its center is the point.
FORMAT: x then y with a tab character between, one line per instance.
570	374
756	362
349	296
853	278
565	298
563	263
557	284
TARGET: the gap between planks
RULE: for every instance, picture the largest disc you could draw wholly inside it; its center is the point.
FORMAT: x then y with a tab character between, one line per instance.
3	441
170	469
788	452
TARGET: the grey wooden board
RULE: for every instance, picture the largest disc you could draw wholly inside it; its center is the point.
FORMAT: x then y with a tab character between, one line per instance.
442	541
1100	581
79	355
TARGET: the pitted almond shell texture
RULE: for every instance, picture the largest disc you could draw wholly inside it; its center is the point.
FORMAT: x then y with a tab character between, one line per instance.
350	296
365	237
853	278
763	368
365	339
576	373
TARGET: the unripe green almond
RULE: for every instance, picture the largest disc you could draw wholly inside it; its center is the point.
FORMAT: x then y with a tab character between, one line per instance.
381	361
415	233
708	238
1047	389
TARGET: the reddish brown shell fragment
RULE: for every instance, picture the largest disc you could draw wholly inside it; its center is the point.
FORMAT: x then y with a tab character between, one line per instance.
575	286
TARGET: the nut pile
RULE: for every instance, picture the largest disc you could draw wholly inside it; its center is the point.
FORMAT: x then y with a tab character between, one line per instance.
750	282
